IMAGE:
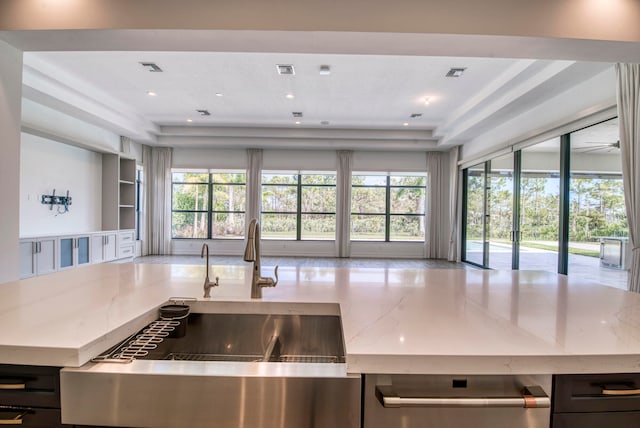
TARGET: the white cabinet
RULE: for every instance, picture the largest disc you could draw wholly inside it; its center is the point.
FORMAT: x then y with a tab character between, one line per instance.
104	247
37	256
126	243
74	251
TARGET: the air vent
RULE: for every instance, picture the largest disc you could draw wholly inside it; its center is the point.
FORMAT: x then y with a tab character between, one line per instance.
325	70
285	69
324	122
297	114
456	72
414	115
152	67
204	112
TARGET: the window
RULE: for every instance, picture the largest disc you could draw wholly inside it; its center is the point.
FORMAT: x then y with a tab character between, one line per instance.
208	205
388	207
298	206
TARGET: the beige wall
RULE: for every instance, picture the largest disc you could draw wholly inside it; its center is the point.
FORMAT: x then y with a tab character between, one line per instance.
579	19
10	106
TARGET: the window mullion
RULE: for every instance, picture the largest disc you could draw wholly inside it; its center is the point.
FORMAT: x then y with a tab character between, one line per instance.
210	207
299	209
387	209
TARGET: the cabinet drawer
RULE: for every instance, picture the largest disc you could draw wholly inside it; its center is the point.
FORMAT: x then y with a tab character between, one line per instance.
126	238
126	251
596	392
30	417
29	386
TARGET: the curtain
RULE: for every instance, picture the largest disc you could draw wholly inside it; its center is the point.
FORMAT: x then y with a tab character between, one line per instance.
146	201
628	93
160	200
343	203
436	238
254	185
454	153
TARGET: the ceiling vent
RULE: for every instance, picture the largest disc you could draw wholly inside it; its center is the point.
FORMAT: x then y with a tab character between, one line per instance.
152	67
415	115
324	122
325	70
204	112
285	69
297	114
456	72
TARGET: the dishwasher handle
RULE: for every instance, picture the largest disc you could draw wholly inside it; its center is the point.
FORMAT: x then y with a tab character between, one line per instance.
532	397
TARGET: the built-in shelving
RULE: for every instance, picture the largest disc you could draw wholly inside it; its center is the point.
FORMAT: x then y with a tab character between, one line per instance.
118	192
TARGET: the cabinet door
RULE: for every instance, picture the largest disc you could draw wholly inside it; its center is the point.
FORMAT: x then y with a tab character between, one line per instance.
46	256
27	259
82	250
97	244
110	247
66	252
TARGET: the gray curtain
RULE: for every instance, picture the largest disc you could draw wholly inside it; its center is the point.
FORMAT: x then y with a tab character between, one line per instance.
254	186
343	203
160	200
628	92
146	200
437	239
454	154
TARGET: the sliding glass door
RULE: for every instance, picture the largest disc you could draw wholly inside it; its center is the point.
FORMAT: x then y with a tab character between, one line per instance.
475	184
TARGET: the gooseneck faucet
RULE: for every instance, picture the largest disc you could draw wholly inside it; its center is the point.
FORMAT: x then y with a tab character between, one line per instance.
207	284
252	254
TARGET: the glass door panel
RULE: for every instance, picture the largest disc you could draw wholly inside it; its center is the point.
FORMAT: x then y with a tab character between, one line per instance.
598	229
475	213
540	207
500	210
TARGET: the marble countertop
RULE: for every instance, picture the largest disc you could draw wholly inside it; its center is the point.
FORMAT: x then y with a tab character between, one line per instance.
394	320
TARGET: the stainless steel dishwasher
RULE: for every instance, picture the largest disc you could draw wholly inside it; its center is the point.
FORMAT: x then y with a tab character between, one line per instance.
426	401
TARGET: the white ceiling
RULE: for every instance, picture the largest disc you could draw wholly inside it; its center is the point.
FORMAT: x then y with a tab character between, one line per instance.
366	99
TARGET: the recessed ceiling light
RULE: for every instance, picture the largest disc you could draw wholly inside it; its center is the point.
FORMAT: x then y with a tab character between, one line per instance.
297	122
285	69
456	71
218	94
405	124
325	70
151	93
189	120
427	101
152	67
290	96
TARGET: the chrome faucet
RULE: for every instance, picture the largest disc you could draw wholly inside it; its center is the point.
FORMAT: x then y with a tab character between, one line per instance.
252	254
207	284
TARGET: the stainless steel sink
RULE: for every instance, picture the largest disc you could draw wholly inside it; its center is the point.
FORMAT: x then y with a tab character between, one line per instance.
239	364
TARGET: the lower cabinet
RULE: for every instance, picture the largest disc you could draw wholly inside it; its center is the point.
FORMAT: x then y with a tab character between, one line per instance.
42	255
37	257
30	396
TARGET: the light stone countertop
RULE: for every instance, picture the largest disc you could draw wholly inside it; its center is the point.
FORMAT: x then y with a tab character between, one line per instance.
394	320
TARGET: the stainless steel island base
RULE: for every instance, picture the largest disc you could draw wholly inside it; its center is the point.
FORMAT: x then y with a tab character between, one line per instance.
182	394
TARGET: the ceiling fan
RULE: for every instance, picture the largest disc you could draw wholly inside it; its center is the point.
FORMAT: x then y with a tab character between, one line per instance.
592	146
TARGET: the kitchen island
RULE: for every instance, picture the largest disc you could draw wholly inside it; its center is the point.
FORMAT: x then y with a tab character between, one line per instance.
506	325
394	320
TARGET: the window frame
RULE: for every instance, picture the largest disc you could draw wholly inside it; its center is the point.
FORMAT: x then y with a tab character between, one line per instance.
299	186
388	215
210	212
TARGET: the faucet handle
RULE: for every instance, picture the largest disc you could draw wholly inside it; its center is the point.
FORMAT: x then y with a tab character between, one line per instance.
275	273
268	282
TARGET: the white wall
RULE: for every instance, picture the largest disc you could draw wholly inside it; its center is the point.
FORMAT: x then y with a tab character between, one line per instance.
10	94
46	165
